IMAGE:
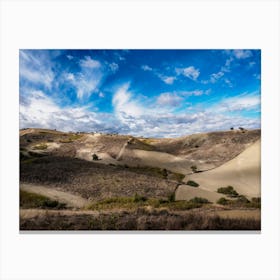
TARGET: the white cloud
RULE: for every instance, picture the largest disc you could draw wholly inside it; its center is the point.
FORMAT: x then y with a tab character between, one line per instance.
169	99
242	54
216	76
240	103
85	82
70	57
123	104
146	68
89	79
190	72
41	111
169	80
88	62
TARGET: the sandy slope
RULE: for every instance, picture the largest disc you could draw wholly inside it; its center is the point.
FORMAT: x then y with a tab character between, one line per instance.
162	160
64	197
243	173
185	192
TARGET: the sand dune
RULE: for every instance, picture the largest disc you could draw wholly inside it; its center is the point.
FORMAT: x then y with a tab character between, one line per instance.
243	173
185	192
163	160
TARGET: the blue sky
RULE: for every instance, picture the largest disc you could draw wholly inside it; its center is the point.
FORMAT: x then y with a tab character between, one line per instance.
151	93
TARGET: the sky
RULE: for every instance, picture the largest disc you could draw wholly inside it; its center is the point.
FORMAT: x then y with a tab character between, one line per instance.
149	93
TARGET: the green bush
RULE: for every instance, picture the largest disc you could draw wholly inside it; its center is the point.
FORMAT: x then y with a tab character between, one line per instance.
171	197
95	157
222	201
139	198
242	199
164	173
229	190
199	200
256	199
192	183
194	168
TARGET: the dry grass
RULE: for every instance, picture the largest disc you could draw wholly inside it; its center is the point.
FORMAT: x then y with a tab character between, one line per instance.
40	147
140	219
137	202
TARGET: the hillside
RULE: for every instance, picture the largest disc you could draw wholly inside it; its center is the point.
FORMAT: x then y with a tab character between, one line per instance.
205	151
140	180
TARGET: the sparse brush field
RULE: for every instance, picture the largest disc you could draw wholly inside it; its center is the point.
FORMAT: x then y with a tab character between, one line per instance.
93	180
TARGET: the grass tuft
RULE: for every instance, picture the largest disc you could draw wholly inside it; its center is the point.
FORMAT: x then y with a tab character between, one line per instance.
33	200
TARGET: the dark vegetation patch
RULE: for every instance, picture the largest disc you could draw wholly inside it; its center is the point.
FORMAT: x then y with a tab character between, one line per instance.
240	202
192	183
33	200
139	219
40	147
229	190
157	172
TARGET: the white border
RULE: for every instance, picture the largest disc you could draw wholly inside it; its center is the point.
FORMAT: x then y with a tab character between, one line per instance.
135	24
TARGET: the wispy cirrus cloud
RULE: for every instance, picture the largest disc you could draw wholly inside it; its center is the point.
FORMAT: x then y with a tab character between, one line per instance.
36	69
88	79
167	79
240	103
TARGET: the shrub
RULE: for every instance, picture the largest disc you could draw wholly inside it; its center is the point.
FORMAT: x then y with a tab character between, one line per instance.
171	197
95	157
256	199
139	198
256	202
199	200
222	201
194	168
192	183
242	199
229	190
164	173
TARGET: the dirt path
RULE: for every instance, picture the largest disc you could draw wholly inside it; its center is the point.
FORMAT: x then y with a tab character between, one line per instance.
121	151
64	197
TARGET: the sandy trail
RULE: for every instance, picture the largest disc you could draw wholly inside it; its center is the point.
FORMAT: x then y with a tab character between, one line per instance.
243	173
64	197
121	151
